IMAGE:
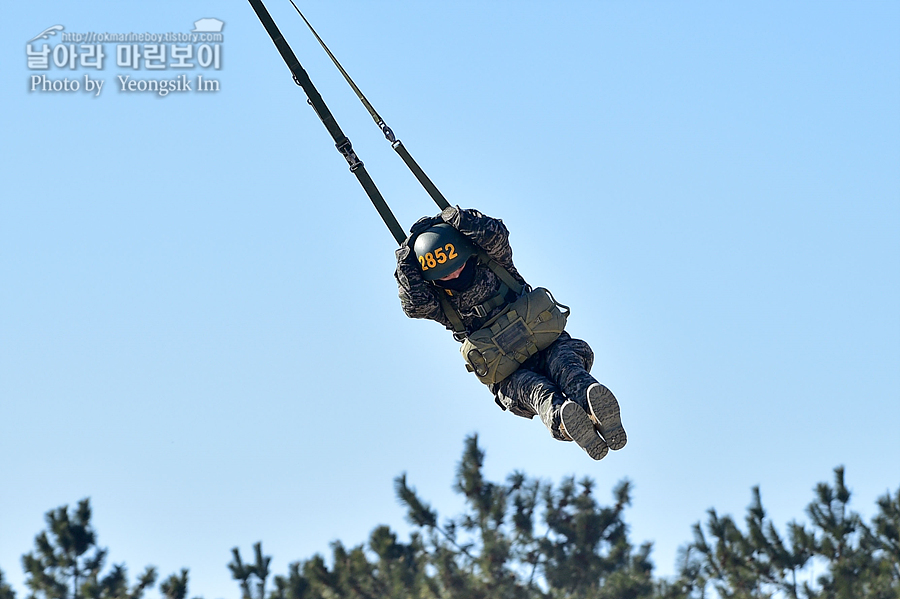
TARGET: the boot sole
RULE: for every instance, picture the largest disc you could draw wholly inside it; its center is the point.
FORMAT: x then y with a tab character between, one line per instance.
605	410
579	426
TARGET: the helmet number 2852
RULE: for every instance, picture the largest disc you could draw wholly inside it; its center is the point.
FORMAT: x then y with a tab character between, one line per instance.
430	260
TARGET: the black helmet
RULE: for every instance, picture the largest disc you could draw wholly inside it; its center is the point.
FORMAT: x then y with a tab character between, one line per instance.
441	249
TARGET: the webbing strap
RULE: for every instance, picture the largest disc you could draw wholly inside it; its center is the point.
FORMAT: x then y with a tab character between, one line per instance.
498	300
501	272
423	179
459	329
396	144
340	140
507	283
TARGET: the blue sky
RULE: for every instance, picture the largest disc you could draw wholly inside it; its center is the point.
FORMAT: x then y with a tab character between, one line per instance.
199	326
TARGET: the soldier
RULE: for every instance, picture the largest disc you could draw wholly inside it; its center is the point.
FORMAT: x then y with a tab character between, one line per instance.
446	259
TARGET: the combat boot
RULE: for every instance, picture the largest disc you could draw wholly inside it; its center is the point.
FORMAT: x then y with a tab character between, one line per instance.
577	425
605	414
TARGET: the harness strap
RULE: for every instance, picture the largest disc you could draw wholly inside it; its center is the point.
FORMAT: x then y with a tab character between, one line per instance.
396	144
483	309
501	272
340	140
459	329
507	283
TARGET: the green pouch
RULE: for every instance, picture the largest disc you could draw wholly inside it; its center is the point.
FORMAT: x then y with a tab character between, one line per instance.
527	326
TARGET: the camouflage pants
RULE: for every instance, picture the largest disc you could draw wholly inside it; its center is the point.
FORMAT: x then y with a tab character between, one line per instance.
544	382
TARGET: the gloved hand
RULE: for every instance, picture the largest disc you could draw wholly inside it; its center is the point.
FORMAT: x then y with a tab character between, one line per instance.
450	215
405	252
409	273
424	223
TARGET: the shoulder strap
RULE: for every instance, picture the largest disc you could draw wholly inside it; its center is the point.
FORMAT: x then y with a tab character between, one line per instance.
501	272
459	329
508	282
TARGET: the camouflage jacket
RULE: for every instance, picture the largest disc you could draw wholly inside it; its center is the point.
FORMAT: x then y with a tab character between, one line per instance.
420	299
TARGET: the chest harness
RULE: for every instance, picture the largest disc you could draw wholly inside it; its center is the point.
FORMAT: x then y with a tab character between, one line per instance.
510	290
529	322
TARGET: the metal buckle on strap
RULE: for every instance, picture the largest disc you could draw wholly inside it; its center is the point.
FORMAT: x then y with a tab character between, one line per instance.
346	150
480	311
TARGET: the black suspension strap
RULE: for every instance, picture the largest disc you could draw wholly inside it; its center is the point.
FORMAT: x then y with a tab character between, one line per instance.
340	140
396	144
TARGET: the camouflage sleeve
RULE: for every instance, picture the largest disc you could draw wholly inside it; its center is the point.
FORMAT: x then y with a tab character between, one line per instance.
418	298
489	233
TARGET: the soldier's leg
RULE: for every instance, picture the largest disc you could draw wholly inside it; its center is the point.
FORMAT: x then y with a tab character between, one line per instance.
527	393
568	362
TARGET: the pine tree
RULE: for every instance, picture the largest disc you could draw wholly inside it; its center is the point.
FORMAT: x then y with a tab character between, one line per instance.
586	550
387	569
860	561
759	563
175	586
67	561
292	586
6	591
244	572
883	541
115	584
62	561
494	549
522	539
475	554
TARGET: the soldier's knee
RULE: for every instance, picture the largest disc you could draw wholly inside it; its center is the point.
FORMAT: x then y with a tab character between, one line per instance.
510	394
569	350
584	351
514	404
